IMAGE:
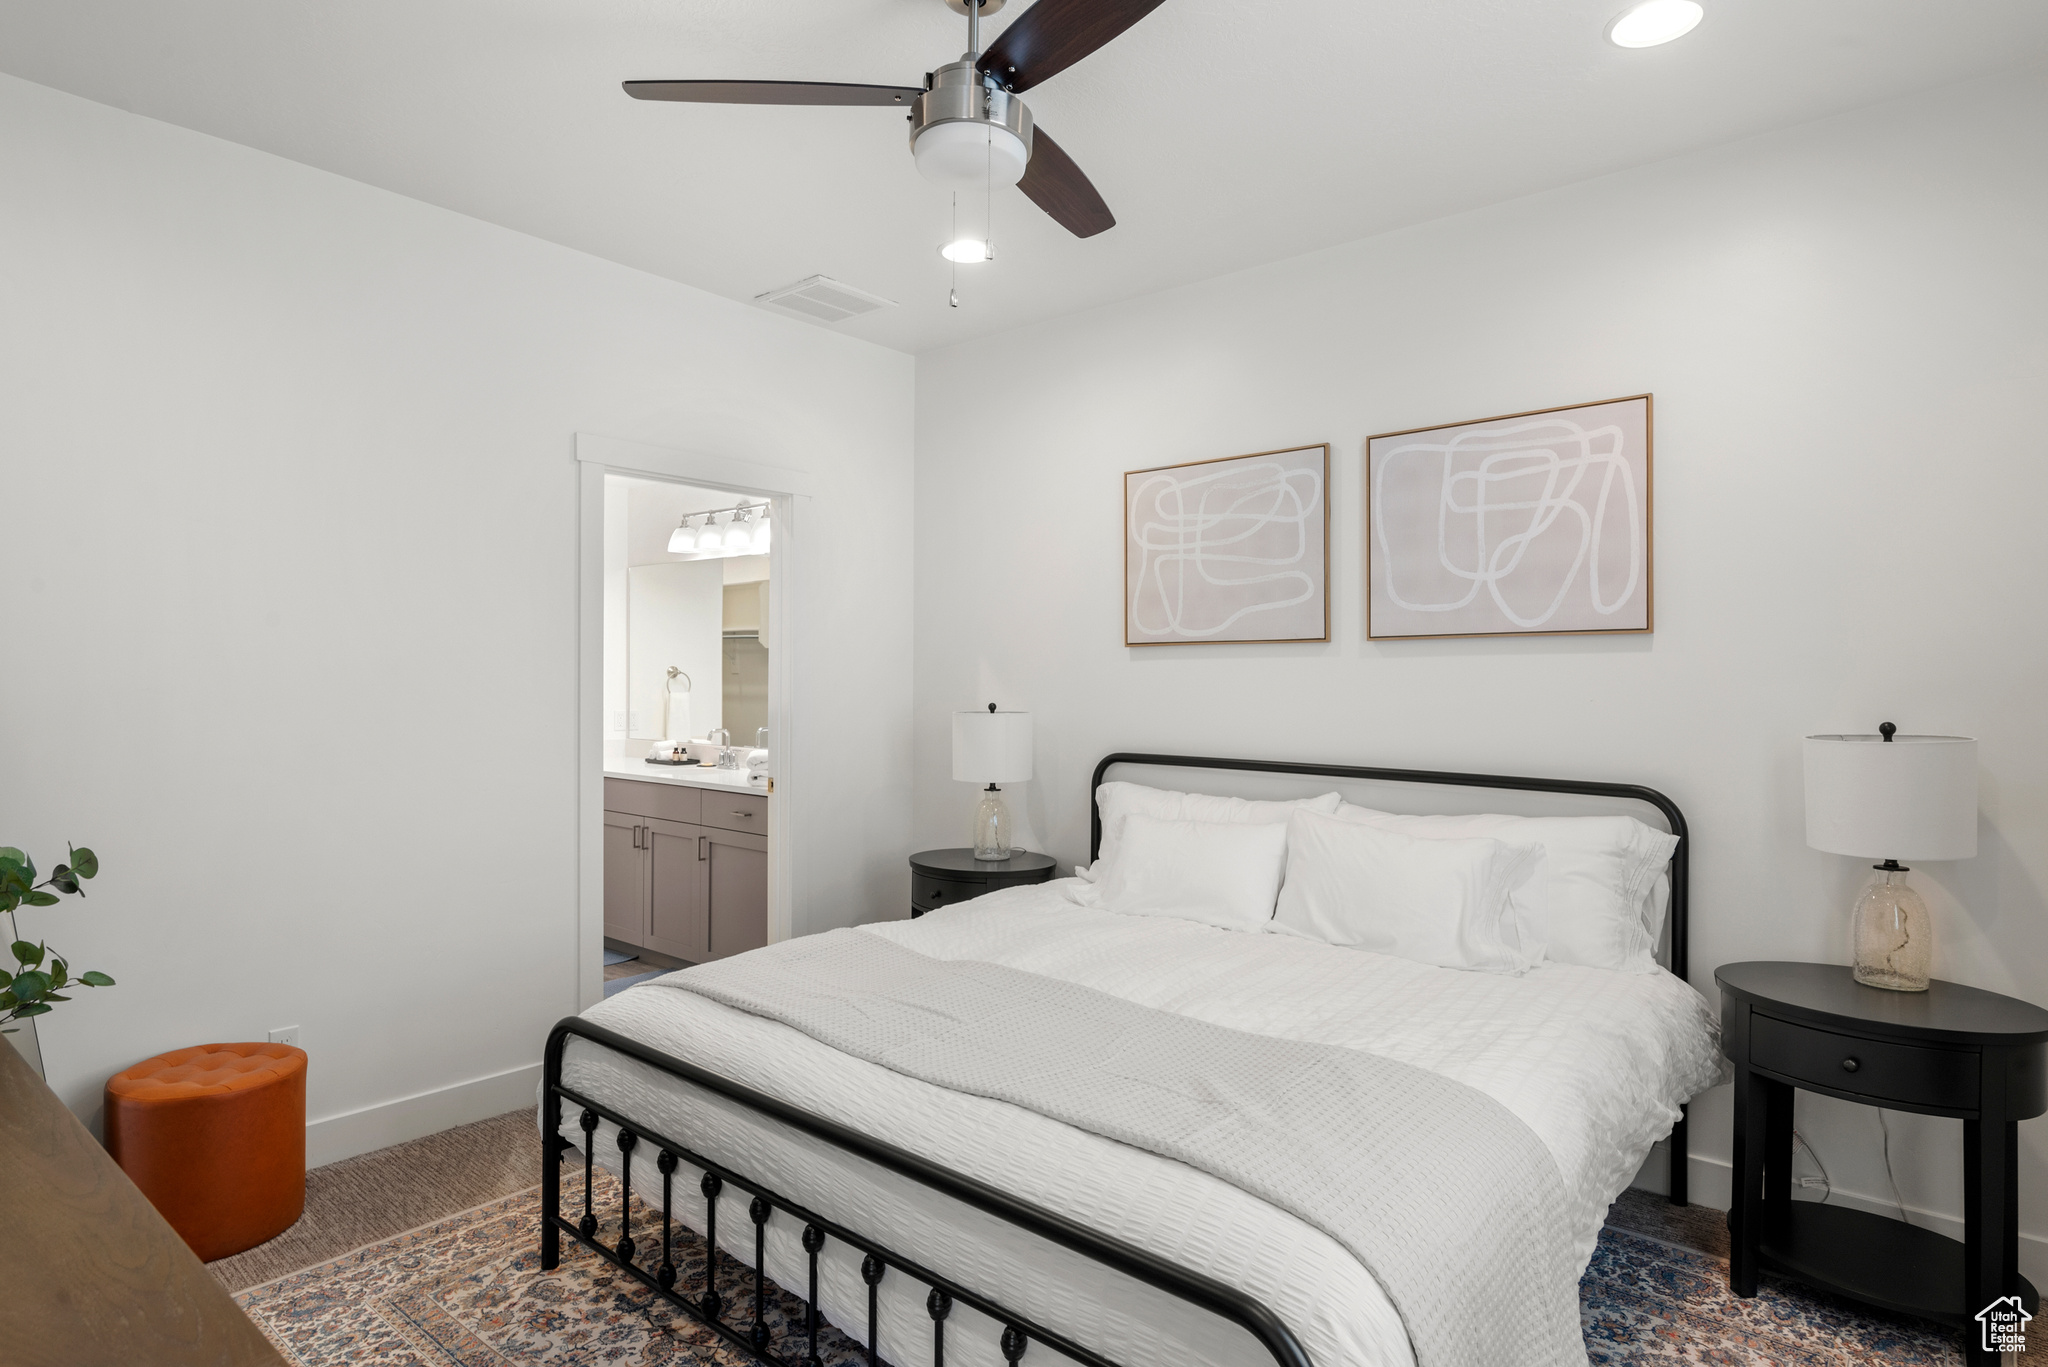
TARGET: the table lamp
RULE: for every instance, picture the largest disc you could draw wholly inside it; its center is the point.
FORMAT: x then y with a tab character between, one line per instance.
1899	797
992	747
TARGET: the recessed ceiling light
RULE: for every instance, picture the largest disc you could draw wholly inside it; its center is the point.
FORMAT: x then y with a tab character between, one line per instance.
968	250
1653	22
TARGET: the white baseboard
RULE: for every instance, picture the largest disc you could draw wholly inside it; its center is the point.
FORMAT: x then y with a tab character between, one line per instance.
1712	1184
335	1137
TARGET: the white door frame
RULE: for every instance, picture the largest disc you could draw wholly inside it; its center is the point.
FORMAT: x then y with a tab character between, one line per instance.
787	491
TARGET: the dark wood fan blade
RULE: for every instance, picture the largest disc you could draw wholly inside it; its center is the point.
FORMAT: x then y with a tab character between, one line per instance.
1054	34
1057	186
773	92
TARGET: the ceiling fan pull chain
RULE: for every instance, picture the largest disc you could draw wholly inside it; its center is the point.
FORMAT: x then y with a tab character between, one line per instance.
953	289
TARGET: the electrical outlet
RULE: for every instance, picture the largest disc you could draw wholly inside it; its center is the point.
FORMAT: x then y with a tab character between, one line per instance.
285	1034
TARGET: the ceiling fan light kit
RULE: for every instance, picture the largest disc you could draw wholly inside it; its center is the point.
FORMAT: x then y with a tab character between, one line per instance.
967	130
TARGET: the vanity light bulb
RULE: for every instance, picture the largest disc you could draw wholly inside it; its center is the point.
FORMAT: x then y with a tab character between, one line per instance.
710	541
682	541
968	251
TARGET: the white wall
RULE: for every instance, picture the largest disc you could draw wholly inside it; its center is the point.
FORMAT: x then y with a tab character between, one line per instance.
290	459
1846	329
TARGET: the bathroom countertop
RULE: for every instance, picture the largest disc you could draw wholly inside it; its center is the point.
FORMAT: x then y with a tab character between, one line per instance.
695	776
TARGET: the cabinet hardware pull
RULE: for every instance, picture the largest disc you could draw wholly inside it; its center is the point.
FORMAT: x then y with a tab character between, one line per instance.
702	841
1850	1065
737	812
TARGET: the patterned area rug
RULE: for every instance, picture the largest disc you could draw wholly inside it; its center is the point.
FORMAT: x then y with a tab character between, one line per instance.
469	1292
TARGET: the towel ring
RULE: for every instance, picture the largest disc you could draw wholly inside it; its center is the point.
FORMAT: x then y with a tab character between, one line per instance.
670	686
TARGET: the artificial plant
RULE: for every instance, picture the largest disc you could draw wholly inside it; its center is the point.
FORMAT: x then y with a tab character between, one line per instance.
31	988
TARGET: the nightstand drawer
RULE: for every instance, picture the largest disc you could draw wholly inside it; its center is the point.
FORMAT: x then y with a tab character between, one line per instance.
1905	1073
931	893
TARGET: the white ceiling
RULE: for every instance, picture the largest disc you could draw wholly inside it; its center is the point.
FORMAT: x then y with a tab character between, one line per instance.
1303	125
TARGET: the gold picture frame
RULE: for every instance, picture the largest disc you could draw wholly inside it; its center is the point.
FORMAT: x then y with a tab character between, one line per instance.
1169	532
1388	618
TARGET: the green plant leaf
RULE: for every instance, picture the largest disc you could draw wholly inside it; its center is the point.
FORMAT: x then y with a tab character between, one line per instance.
8	852
41	899
84	862
26	953
60	972
6	980
92	977
30	986
54	997
37	1009
61	879
8	999
8	901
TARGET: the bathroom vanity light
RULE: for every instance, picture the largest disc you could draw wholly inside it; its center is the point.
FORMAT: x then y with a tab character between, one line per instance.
701	536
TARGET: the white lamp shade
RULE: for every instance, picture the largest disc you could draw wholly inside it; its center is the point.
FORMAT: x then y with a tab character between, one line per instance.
991	747
682	541
1914	797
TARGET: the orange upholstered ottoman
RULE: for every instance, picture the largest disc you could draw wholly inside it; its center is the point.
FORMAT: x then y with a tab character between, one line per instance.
216	1138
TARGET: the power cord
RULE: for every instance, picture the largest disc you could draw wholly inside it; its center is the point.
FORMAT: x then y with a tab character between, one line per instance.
1886	1131
1825	1181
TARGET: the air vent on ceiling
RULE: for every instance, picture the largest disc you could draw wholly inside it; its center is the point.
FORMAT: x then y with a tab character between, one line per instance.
823	298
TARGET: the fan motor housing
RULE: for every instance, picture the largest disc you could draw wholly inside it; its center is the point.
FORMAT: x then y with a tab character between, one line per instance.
969	128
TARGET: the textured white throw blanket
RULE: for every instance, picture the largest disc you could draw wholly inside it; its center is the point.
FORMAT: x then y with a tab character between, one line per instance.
1449	1200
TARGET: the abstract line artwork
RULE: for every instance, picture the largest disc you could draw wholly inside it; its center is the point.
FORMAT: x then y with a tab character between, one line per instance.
1532	524
1236	549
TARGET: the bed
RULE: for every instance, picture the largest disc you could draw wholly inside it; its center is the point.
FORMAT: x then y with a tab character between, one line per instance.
930	1223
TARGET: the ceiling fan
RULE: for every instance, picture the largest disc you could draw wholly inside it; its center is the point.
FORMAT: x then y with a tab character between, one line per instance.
967	125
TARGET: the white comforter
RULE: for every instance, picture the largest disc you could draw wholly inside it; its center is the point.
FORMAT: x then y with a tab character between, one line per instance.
1594	1062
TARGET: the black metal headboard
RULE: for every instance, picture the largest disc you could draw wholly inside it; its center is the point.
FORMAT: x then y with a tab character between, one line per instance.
1677	1181
1676	915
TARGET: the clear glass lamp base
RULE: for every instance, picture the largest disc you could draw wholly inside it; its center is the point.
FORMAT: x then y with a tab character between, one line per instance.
1891	937
992	826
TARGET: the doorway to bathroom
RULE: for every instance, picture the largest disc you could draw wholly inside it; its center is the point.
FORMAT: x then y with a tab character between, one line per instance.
684	802
688	755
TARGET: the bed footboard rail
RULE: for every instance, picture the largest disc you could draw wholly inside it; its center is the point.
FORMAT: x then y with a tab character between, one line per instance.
648	1257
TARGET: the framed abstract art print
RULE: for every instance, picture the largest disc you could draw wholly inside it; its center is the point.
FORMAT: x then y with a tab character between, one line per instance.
1530	524
1235	549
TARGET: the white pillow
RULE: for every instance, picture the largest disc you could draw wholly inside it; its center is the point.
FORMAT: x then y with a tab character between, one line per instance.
1119	800
1591	904
1220	873
1435	901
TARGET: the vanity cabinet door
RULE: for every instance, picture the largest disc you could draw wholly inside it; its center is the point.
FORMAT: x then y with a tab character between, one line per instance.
625	881
735	891
677	922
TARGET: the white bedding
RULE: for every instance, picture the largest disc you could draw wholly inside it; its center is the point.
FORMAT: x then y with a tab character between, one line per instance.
1595	1062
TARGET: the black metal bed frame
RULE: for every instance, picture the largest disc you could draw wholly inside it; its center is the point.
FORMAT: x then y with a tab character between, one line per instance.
635	1256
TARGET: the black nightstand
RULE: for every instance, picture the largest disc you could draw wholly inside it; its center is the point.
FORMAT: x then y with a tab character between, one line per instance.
1951	1051
939	878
